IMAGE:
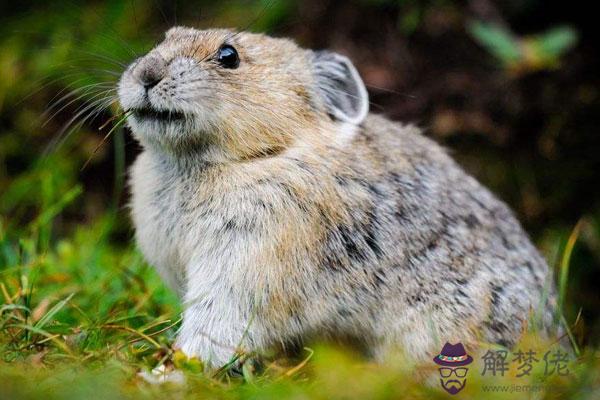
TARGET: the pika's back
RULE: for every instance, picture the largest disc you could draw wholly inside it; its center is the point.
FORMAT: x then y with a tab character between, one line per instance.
402	240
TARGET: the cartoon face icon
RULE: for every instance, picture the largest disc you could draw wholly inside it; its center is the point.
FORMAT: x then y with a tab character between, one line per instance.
453	373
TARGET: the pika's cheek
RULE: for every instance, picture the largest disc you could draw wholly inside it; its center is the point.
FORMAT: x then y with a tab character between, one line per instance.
182	66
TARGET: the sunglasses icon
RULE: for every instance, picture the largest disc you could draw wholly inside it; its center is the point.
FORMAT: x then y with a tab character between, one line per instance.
459	372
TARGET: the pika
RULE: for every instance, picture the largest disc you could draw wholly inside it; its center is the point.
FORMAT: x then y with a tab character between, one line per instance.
280	210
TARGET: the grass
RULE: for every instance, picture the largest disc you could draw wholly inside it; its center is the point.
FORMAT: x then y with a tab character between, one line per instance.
81	315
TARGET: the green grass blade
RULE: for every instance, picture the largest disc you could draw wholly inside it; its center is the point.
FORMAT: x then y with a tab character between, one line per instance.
52	312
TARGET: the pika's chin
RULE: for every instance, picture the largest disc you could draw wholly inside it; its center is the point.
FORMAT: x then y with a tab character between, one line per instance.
171	132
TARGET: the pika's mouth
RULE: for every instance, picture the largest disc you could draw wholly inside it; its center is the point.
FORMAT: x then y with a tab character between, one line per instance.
149	114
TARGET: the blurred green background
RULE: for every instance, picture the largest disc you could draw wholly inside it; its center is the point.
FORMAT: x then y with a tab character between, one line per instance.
510	87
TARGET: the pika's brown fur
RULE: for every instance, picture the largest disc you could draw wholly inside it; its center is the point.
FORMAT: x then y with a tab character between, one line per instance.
280	211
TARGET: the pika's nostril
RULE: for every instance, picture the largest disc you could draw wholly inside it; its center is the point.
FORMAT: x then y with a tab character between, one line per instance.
150	70
149	78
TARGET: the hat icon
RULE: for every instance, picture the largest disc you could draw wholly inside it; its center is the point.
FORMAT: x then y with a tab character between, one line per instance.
453	355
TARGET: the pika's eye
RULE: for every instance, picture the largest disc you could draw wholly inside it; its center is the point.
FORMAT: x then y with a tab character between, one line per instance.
228	57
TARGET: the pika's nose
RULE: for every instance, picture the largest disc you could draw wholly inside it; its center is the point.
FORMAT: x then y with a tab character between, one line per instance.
150	70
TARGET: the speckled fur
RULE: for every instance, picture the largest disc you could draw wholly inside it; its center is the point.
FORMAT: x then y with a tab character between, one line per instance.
277	223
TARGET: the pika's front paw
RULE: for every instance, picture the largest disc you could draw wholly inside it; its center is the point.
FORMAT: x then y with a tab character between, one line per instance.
211	352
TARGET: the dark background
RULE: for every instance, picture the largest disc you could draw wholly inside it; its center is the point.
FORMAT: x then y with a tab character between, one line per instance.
518	110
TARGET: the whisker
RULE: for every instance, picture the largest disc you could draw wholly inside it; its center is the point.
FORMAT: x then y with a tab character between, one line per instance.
266	90
96	107
52	103
391	91
105	58
255	20
87	92
159	8
44	86
330	87
120	122
124	45
63	76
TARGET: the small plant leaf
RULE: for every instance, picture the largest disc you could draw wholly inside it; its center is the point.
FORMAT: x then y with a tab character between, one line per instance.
557	41
497	40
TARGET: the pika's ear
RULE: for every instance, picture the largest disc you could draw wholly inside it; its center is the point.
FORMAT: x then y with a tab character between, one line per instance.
340	87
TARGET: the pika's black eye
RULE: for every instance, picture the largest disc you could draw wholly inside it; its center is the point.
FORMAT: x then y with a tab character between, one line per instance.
228	57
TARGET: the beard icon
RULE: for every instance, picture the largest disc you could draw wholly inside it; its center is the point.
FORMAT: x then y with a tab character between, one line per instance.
453	386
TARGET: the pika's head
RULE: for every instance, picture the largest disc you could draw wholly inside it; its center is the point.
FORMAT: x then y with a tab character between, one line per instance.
239	94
